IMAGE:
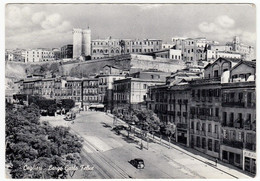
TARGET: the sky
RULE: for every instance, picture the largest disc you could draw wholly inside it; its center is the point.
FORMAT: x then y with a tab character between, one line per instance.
50	25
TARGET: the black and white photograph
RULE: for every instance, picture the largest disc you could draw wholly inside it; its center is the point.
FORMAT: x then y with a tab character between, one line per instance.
129	90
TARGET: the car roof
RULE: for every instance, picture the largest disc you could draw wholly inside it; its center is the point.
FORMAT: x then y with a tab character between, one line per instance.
139	159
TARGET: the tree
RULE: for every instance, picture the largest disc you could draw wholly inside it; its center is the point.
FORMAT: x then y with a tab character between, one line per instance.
170	131
68	103
30	144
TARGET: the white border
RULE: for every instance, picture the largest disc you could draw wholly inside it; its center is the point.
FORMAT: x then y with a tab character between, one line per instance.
2	53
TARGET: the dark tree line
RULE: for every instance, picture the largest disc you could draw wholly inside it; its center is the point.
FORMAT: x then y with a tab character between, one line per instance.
31	144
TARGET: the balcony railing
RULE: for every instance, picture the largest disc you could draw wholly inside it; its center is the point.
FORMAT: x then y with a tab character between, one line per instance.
233	143
202	117
233	104
215	118
250	146
251	104
171	112
192	131
203	133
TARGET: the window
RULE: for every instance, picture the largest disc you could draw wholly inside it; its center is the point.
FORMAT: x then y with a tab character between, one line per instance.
216	112
237	158
240	97
249	97
216	129
215	73
210	144
216	146
224	118
198	141
209	128
192	125
203	143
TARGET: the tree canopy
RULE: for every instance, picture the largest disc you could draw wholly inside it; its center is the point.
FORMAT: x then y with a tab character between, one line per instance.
31	144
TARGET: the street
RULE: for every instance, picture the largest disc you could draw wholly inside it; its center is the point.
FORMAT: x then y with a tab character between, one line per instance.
109	153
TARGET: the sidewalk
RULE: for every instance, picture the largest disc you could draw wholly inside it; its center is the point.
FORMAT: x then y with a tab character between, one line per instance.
210	161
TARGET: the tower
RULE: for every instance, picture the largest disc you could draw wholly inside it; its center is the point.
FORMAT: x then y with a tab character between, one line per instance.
77	43
236	43
86	42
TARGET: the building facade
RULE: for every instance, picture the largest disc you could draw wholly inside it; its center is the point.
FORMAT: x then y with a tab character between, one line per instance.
67	51
215	114
81	43
39	55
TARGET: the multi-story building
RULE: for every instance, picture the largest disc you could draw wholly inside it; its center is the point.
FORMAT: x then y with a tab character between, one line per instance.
90	90
74	89
234	49
205	118
39	55
28	86
212	55
111	47
56	53
67	51
221	118
131	92
239	117
105	86
192	49
48	88
81	43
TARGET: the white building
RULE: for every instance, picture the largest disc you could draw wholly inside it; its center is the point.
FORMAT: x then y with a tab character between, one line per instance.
175	54
39	55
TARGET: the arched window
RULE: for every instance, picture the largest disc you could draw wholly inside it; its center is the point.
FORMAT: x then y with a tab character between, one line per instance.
112	51
117	51
94	51
101	51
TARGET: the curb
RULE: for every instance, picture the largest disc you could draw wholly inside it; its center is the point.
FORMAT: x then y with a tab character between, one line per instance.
179	149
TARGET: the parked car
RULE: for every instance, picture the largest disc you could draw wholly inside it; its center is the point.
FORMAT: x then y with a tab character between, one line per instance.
137	163
70	116
44	112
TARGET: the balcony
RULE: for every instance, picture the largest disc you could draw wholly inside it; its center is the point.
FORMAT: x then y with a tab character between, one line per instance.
215	118
250	146
182	126
251	104
171	112
202	117
215	135
203	133
233	104
233	143
238	125
192	131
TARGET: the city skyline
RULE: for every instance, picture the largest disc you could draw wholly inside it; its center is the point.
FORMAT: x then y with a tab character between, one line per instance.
49	25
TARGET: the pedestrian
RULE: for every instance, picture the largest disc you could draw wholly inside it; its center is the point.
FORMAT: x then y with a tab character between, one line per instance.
141	146
216	162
